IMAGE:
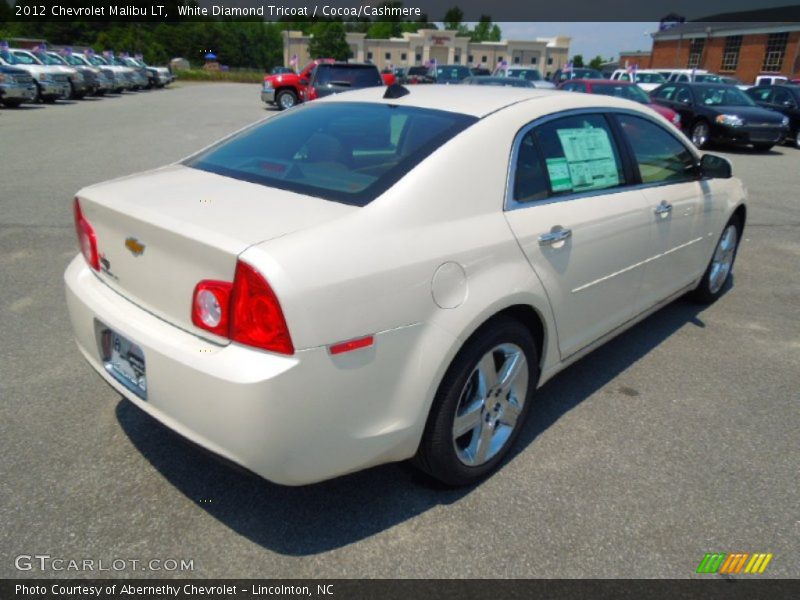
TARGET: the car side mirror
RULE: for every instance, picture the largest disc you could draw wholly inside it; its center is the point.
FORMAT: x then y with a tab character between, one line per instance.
303	81
715	167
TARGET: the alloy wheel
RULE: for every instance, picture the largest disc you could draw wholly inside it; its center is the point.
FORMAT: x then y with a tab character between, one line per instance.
490	404
700	135
286	100
722	262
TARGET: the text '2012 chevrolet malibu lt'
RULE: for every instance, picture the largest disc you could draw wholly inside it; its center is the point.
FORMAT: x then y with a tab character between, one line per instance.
385	274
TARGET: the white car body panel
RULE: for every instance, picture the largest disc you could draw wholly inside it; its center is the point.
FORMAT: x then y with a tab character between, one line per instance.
342	273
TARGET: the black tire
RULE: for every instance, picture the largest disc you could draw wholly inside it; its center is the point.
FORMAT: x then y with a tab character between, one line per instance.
12	103
285	99
762	147
38	97
49	100
700	141
707	292
437	454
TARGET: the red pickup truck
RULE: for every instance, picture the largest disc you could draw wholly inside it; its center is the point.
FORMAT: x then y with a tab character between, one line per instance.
287	89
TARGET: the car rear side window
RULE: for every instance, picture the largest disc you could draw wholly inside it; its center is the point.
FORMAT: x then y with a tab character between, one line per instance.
659	155
355	76
575	154
348	152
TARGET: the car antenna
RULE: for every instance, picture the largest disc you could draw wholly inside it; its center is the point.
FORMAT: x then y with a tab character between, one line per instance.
396	91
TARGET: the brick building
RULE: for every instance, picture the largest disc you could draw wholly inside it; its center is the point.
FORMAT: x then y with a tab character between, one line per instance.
744	50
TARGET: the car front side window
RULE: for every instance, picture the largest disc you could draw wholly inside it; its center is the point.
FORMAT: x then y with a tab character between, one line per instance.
684	96
761	94
659	155
666	93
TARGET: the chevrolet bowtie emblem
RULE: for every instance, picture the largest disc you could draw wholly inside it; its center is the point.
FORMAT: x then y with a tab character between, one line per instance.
134	246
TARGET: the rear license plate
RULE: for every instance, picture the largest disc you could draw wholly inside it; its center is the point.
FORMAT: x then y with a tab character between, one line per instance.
124	361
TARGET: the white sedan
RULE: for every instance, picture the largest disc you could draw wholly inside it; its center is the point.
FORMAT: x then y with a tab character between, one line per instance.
385	274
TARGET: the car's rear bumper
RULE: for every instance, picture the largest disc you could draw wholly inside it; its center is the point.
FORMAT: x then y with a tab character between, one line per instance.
291	419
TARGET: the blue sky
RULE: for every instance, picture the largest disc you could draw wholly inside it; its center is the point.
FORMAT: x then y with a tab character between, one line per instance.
589	39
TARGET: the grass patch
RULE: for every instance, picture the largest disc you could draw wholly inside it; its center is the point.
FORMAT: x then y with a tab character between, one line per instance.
239	76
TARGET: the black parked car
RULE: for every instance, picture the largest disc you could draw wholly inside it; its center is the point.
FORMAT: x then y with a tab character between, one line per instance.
416	75
576	73
448	73
784	99
333	78
480	72
713	112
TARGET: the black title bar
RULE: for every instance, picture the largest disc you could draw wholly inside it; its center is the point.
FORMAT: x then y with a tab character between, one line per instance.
715	588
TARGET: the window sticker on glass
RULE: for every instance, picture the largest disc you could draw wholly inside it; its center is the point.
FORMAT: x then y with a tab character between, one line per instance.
590	158
560	179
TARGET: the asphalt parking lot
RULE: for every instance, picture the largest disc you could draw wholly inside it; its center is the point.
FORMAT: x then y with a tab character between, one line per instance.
677	438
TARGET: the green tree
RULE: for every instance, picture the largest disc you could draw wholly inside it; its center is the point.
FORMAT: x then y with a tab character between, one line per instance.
485	31
453	18
383	30
329	41
596	62
577	60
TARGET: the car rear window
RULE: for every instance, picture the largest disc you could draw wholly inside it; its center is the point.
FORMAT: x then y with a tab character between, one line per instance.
354	76
348	152
529	74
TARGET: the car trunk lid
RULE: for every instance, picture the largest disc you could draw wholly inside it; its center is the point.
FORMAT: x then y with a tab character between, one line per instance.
161	232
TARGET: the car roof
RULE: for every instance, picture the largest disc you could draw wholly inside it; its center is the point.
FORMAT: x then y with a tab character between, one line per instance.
503	81
614	82
481	100
700	84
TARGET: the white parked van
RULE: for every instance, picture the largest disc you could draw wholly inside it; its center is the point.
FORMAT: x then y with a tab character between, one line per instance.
771	80
647	79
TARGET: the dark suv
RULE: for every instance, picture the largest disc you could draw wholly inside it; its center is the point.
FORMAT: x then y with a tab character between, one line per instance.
333	78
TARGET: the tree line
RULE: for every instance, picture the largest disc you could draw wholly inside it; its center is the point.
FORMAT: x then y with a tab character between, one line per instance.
248	43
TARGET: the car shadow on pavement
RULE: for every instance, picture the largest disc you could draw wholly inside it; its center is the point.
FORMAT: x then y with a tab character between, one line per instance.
332	514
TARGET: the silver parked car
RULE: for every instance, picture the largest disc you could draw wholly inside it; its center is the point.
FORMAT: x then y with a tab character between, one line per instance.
16	86
50	82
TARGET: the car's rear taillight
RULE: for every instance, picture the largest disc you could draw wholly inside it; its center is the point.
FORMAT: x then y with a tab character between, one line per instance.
256	315
87	240
211	306
246	311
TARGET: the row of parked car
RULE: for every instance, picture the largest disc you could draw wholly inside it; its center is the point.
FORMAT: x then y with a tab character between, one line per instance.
709	110
707	107
42	75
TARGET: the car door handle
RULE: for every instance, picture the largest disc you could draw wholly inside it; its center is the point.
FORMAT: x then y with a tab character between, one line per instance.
555	235
663	209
